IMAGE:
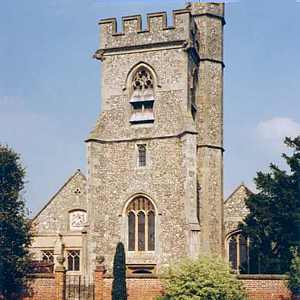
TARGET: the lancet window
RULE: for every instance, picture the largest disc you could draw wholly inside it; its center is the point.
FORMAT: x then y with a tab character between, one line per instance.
142	155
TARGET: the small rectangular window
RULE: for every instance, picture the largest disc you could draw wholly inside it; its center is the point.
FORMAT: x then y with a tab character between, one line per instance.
142	155
73	258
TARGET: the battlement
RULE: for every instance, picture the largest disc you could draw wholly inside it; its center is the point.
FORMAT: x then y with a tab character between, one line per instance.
209	9
157	30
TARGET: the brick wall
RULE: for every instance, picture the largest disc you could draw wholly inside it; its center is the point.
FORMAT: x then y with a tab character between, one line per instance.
265	287
42	287
259	287
147	288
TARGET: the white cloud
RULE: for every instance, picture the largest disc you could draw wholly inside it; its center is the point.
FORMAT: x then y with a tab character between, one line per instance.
276	129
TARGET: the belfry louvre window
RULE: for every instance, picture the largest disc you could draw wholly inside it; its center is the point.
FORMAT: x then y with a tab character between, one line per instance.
141	225
142	156
73	259
142	98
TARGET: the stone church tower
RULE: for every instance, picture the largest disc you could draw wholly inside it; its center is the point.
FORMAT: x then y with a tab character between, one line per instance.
155	156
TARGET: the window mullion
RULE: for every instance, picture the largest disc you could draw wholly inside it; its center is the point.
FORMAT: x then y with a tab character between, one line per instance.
146	232
136	233
238	247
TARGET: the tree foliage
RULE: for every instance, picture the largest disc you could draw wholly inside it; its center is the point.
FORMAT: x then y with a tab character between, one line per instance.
119	290
294	273
202	279
14	228
273	223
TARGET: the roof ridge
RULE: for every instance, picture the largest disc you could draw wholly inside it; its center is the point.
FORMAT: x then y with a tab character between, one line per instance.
242	184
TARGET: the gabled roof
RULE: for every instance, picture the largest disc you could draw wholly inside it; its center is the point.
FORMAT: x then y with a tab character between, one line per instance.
241	186
78	172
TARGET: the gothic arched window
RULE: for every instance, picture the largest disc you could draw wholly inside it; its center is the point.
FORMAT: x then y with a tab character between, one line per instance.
142	96
238	252
141	225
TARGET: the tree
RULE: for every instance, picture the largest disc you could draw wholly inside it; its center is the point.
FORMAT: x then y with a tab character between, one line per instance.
14	227
119	291
294	274
273	224
202	279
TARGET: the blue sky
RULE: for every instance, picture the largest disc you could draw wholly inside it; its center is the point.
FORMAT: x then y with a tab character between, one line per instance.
50	92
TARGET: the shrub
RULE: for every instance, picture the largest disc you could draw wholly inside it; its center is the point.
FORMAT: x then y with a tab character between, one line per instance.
207	278
294	274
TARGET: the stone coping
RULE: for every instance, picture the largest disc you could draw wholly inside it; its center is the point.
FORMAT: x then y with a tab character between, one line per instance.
262	276
41	275
140	276
151	276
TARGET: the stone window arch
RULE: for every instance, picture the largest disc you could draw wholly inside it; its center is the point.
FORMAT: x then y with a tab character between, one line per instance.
141	217
238	252
142	95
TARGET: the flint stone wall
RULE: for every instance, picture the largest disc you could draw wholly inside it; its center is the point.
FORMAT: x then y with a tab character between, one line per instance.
54	217
235	209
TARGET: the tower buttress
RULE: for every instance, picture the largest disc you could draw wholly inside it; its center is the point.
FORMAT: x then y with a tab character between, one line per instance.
209	19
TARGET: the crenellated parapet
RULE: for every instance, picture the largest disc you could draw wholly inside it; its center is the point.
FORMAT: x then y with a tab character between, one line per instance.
157	31
210	20
210	9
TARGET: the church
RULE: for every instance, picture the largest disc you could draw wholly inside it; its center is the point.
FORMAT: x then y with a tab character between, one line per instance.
154	179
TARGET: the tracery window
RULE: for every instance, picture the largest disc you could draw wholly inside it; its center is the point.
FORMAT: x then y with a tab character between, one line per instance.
48	256
141	225
239	252
73	260
142	96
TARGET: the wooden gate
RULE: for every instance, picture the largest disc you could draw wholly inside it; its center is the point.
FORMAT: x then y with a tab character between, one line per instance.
79	288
